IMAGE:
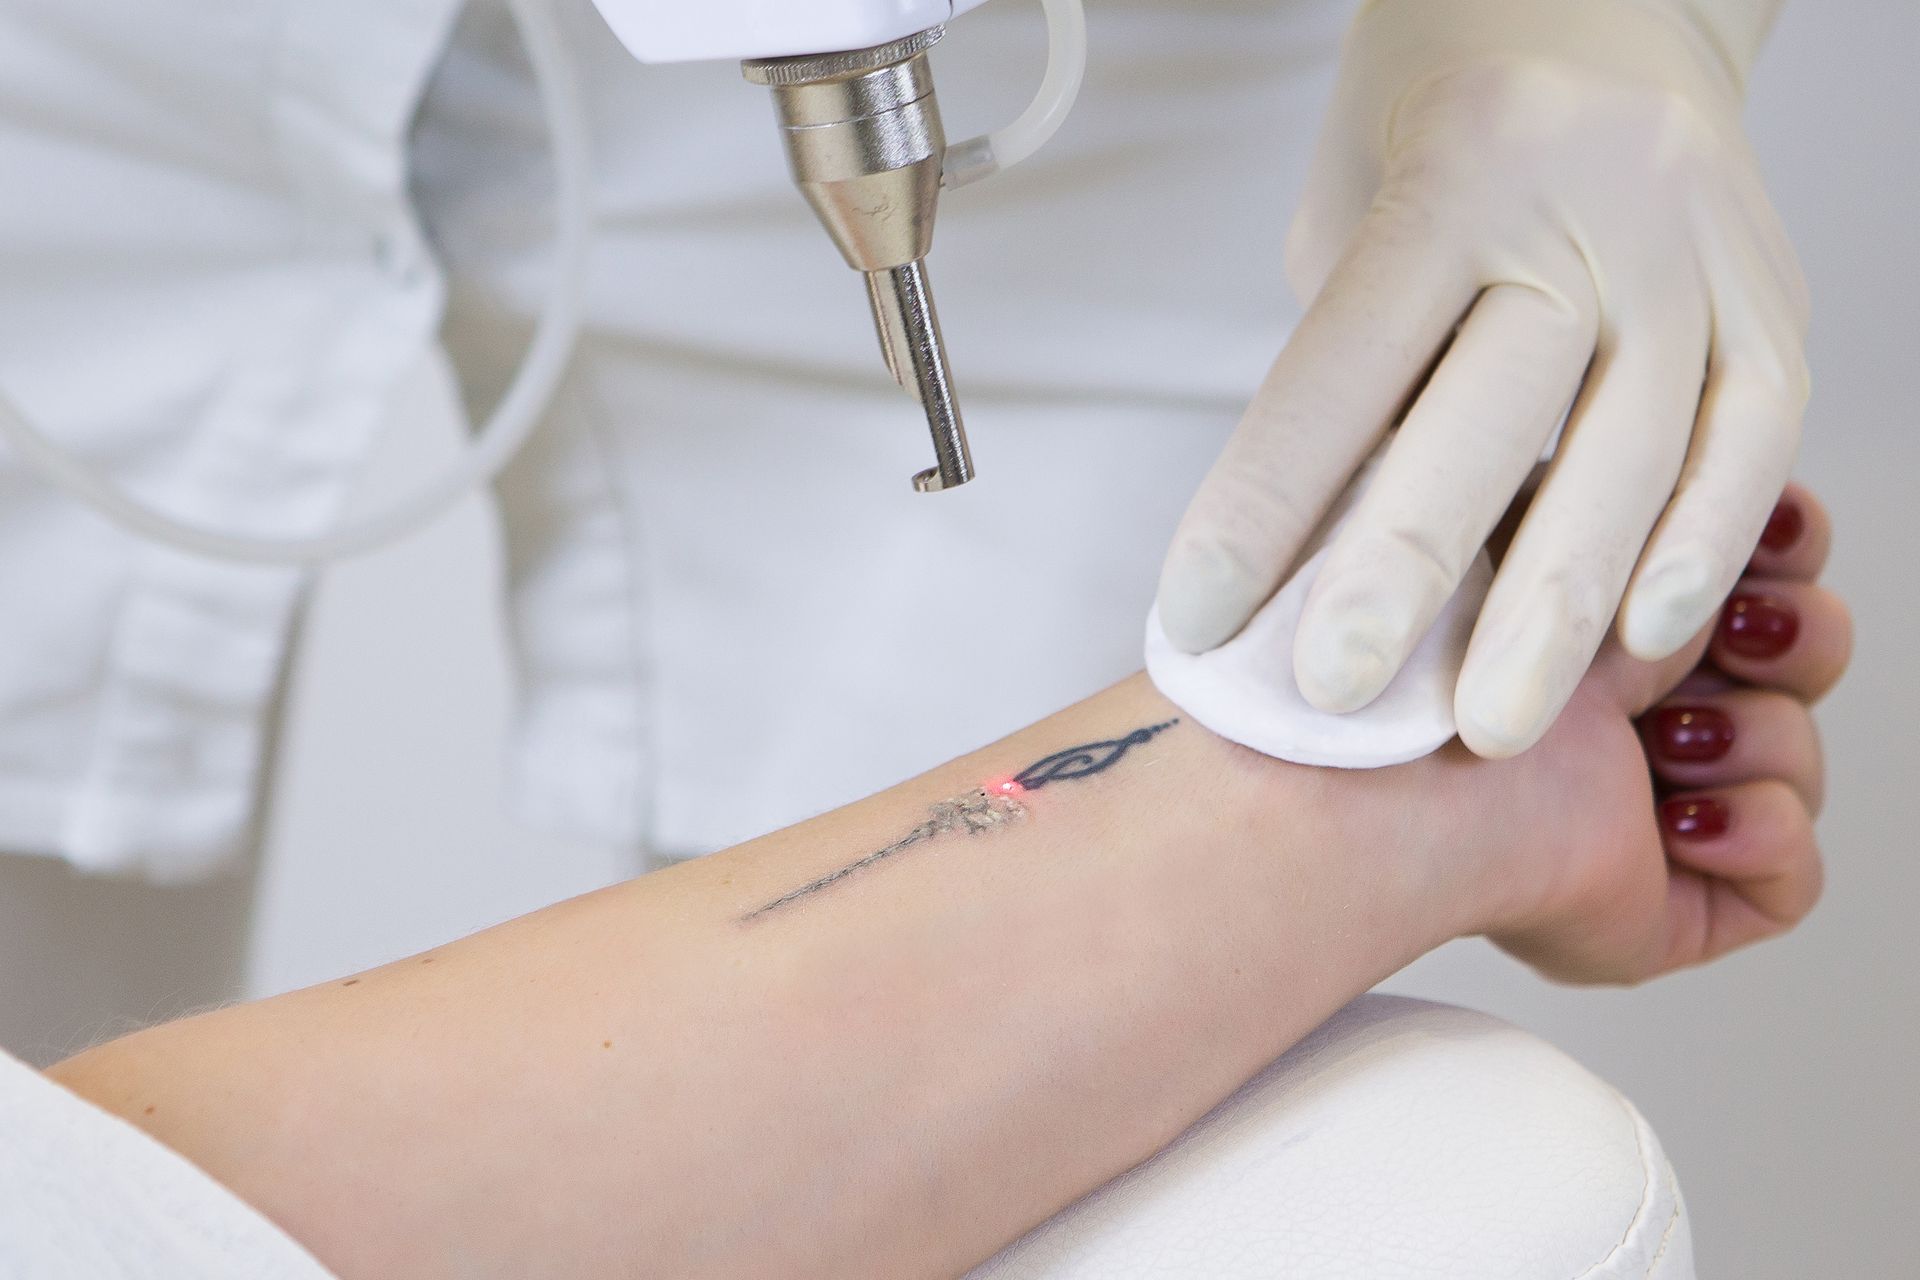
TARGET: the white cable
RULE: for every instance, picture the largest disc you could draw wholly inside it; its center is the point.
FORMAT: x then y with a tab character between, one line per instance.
508	427
976	158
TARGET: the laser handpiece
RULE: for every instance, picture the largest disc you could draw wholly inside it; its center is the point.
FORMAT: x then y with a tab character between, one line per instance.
865	144
864	141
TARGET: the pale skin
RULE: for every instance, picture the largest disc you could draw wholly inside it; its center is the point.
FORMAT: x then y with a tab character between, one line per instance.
895	1073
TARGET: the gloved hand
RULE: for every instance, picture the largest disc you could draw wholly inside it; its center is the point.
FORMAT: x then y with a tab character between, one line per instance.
1554	200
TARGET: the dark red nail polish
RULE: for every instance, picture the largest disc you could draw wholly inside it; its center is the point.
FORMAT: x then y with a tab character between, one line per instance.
1784	526
1691	733
1695	817
1759	626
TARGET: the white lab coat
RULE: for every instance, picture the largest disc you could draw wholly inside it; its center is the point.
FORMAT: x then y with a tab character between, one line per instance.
211	279
728	608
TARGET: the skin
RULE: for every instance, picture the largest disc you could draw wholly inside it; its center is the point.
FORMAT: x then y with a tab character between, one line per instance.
898	1072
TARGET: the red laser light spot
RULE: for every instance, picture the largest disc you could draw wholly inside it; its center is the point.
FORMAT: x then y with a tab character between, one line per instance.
1006	787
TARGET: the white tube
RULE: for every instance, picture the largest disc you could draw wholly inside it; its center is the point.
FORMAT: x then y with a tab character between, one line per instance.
505	430
977	158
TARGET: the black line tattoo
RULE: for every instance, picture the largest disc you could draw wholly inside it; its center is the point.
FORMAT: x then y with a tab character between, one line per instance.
984	808
1083	762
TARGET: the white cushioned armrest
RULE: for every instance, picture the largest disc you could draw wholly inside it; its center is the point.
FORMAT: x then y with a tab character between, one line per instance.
1401	1139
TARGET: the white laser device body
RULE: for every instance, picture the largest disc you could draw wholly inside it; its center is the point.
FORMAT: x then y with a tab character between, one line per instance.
735	30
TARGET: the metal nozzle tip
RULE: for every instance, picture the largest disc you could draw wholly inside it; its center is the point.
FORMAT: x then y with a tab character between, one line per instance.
916	355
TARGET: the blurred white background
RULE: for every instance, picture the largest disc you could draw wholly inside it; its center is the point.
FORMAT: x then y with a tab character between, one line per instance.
1781	1080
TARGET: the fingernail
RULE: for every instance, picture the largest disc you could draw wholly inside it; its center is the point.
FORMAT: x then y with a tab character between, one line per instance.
1756	626
1692	733
1695	817
1784	526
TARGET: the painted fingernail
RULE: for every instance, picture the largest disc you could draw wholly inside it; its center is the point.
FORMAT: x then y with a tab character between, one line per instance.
1784	526
1756	626
1692	733
1695	817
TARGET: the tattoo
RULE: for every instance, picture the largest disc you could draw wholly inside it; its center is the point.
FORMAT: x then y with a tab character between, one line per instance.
1084	762
984	808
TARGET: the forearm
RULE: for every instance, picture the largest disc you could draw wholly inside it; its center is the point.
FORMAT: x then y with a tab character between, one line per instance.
717	1070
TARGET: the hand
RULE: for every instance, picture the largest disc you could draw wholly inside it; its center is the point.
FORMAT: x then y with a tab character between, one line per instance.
1554	202
1667	818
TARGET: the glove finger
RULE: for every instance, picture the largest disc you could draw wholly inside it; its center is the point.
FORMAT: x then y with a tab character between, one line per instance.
1466	447
1562	579
1742	454
1349	368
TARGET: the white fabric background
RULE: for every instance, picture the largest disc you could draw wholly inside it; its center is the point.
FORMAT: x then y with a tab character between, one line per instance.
211	280
1779	1081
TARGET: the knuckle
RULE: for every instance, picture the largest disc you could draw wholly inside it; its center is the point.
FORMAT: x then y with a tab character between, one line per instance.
1777	381
1238	521
1491	94
1425	556
1681	132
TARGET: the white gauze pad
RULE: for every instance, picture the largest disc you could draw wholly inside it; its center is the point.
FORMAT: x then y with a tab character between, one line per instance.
1245	691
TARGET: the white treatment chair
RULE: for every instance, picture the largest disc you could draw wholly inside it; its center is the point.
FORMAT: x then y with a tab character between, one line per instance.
1402	1139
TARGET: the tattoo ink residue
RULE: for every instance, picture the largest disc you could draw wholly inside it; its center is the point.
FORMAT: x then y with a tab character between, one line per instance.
985	808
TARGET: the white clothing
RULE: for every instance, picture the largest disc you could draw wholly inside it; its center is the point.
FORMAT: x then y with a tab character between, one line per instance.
728	607
83	1193
210	279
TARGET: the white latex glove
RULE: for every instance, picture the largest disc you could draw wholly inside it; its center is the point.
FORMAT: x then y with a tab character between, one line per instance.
1567	183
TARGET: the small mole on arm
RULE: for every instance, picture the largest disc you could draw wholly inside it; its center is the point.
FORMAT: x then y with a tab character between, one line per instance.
350	982
149	1111
426	959
606	1044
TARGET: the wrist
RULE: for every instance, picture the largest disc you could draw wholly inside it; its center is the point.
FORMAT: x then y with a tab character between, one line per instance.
1400	848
